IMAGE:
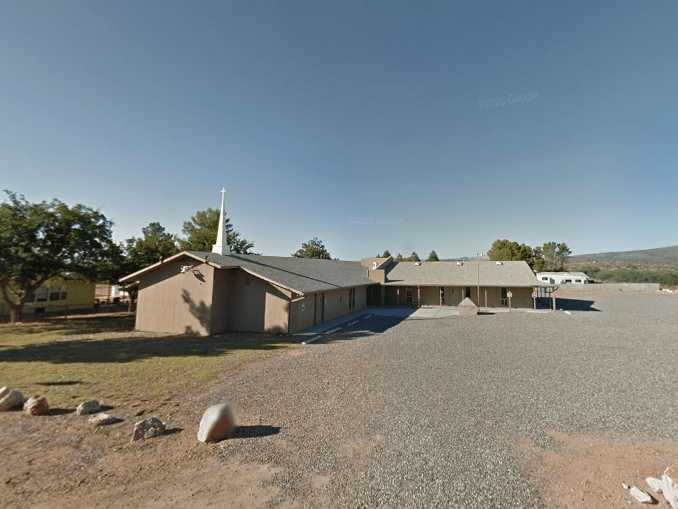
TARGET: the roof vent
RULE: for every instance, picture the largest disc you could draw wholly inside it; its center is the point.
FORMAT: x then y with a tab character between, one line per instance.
500	263
460	263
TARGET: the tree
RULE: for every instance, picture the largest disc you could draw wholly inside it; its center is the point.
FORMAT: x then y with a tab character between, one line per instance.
201	233
433	257
155	245
399	257
555	255
414	257
46	240
314	248
386	254
507	250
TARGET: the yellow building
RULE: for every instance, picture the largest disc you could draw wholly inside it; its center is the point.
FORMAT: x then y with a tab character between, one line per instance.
57	296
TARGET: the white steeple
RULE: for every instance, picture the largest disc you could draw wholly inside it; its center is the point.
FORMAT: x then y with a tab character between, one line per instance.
221	245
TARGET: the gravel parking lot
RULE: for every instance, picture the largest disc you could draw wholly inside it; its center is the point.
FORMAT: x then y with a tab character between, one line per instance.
421	413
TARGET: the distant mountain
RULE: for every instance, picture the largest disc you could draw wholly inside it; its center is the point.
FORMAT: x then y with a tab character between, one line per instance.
658	256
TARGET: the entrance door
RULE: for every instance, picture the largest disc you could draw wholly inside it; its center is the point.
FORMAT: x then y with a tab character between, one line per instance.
409	299
322	307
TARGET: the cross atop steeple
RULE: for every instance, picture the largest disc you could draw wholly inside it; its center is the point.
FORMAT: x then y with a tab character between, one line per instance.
221	245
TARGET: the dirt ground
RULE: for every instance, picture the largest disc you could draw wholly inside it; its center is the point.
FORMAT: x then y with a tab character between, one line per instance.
579	470
135	375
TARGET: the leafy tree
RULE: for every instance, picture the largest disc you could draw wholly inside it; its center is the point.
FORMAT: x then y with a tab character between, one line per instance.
551	256
201	233
155	245
433	257
508	250
46	240
386	254
314	248
399	257
555	255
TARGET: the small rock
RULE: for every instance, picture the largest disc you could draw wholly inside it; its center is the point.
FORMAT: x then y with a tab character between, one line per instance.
102	419
217	423
10	398
36	405
91	406
139	412
626	486
641	496
148	428
655	484
670	483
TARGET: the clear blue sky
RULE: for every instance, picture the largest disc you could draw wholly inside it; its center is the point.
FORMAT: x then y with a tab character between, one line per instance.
373	125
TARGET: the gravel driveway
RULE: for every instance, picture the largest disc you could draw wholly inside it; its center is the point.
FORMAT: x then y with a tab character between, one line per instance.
423	413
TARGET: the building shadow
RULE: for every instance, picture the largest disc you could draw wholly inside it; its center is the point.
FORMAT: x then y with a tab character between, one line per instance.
575	304
256	431
365	327
127	349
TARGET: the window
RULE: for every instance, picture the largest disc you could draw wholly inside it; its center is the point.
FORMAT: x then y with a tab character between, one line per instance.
57	294
41	295
545	278
577	280
567	281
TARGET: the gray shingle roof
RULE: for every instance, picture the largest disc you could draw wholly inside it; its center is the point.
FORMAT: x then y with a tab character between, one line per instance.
508	274
305	275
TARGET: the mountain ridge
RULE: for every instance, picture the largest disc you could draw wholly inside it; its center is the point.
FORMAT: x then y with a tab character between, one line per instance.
656	256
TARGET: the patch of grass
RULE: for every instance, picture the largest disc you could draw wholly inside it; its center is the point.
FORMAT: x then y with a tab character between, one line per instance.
101	357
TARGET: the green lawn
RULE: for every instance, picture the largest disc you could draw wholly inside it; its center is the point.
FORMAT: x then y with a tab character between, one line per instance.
101	357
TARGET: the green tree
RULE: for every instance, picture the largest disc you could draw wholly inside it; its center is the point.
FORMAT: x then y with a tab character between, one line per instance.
46	240
201	233
555	255
155	245
400	257
433	257
414	257
386	254
314	248
507	250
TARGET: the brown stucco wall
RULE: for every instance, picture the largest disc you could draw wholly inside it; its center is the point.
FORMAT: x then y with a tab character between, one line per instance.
430	296
306	312
256	305
302	313
206	301
170	301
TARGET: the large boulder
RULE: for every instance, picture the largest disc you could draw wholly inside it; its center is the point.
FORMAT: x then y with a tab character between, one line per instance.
148	428
10	398
36	405
88	407
216	424
467	308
